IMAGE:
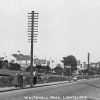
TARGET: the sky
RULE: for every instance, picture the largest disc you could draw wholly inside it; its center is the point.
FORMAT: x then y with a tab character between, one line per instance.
66	27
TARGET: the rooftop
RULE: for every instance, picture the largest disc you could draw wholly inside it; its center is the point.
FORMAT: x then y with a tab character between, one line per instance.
21	57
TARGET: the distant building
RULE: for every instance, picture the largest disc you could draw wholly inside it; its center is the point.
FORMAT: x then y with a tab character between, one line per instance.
42	62
10	58
79	65
23	60
98	64
1	58
84	65
93	65
78	62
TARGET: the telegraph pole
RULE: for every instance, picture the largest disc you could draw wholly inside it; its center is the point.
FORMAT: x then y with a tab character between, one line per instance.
88	63
32	29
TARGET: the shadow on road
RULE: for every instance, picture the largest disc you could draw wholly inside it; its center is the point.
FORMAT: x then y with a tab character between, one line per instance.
90	85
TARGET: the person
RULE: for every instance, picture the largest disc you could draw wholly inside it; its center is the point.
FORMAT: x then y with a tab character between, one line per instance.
34	78
42	79
75	78
16	80
69	78
24	81
20	80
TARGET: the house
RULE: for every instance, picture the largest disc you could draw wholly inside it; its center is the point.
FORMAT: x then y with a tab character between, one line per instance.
10	58
84	65
98	64
42	62
26	59
93	65
1	58
23	60
81	67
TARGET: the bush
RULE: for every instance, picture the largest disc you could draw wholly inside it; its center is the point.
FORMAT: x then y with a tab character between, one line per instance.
14	66
6	81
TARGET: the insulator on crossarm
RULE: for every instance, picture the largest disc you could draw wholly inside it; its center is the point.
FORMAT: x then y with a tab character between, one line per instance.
29	35
35	21
28	31
35	41
30	21
30	18
31	30
35	18
35	34
35	26
35	29
36	13
29	13
29	26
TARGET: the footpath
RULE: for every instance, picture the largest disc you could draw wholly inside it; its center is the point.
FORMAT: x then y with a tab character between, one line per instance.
6	89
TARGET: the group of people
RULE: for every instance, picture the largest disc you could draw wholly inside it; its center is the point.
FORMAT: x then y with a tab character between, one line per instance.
19	79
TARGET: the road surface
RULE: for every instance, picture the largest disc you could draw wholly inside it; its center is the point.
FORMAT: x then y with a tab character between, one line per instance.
82	90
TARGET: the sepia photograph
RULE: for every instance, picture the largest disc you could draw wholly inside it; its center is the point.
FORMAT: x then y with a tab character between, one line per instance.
49	49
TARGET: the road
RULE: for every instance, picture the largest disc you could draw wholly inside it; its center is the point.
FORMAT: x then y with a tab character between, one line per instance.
80	90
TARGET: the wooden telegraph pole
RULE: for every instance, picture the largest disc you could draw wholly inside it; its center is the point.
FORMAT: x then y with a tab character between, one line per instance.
88	63
32	29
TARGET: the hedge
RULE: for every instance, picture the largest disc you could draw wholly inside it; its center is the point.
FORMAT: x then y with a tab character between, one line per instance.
6	81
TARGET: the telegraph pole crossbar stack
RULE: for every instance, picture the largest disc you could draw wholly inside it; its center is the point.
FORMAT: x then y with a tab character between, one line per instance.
32	29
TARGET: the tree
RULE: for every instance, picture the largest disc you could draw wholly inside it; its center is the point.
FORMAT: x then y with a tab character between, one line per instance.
4	64
14	66
46	69
94	70
39	68
58	69
70	61
29	68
